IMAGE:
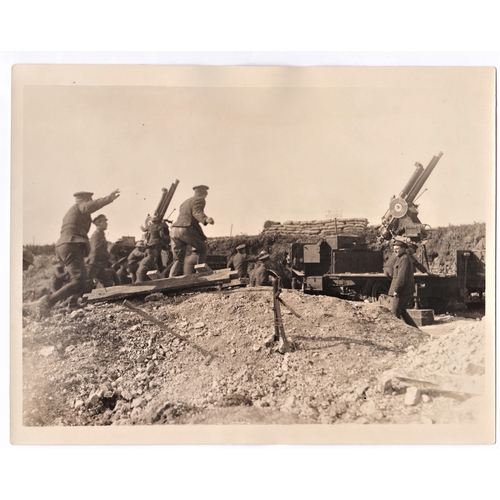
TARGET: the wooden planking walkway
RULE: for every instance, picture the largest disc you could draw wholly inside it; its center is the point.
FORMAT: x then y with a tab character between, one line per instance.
179	283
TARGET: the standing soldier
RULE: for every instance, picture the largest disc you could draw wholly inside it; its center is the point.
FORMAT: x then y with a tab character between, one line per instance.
402	285
73	245
99	257
186	230
157	233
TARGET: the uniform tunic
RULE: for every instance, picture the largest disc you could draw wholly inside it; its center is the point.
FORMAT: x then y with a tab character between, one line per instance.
186	230
403	284
73	246
240	264
99	255
133	261
260	275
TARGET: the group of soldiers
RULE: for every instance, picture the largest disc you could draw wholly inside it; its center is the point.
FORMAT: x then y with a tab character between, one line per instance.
86	260
255	271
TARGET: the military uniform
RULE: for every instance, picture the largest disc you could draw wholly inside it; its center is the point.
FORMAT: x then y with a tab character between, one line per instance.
158	234
134	259
239	262
148	263
59	278
99	257
186	230
402	285
73	244
122	273
260	273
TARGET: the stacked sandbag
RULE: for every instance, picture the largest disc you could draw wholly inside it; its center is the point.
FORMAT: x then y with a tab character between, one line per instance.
331	227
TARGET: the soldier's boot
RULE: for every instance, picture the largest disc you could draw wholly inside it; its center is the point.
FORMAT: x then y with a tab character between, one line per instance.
176	269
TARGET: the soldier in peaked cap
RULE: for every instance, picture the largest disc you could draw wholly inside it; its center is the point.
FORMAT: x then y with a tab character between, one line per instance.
134	258
402	284
99	258
239	261
260	273
186	230
73	245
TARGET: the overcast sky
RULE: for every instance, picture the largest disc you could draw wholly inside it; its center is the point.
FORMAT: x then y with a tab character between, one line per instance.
301	145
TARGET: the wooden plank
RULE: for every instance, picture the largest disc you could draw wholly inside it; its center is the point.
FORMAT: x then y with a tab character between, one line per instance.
179	283
455	387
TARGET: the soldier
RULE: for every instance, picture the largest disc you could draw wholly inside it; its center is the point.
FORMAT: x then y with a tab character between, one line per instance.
73	245
148	263
260	273
186	230
122	273
134	259
389	263
402	285
157	233
239	261
99	257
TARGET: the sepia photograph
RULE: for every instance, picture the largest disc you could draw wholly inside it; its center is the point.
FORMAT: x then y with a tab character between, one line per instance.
243	254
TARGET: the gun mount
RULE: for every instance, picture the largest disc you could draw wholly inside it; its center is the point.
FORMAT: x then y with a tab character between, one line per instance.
401	219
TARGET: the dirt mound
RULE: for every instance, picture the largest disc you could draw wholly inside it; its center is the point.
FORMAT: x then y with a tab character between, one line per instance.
105	365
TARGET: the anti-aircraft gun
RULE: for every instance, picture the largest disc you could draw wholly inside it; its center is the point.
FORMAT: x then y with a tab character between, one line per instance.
161	209
344	267
156	231
401	219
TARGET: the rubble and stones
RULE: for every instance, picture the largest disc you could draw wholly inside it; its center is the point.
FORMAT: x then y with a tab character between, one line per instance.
108	366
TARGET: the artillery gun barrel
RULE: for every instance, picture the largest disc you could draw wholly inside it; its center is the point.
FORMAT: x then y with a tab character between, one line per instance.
423	178
168	199
159	208
412	181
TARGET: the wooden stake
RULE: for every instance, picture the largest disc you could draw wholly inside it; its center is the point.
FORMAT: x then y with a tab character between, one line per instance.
208	355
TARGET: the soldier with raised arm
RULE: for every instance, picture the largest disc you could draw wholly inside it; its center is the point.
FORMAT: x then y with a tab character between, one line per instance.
73	245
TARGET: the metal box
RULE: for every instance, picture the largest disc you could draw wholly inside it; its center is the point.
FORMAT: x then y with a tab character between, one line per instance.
356	262
346	242
314	283
422	317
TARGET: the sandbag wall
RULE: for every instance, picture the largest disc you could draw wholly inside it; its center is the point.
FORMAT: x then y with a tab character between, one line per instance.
331	227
